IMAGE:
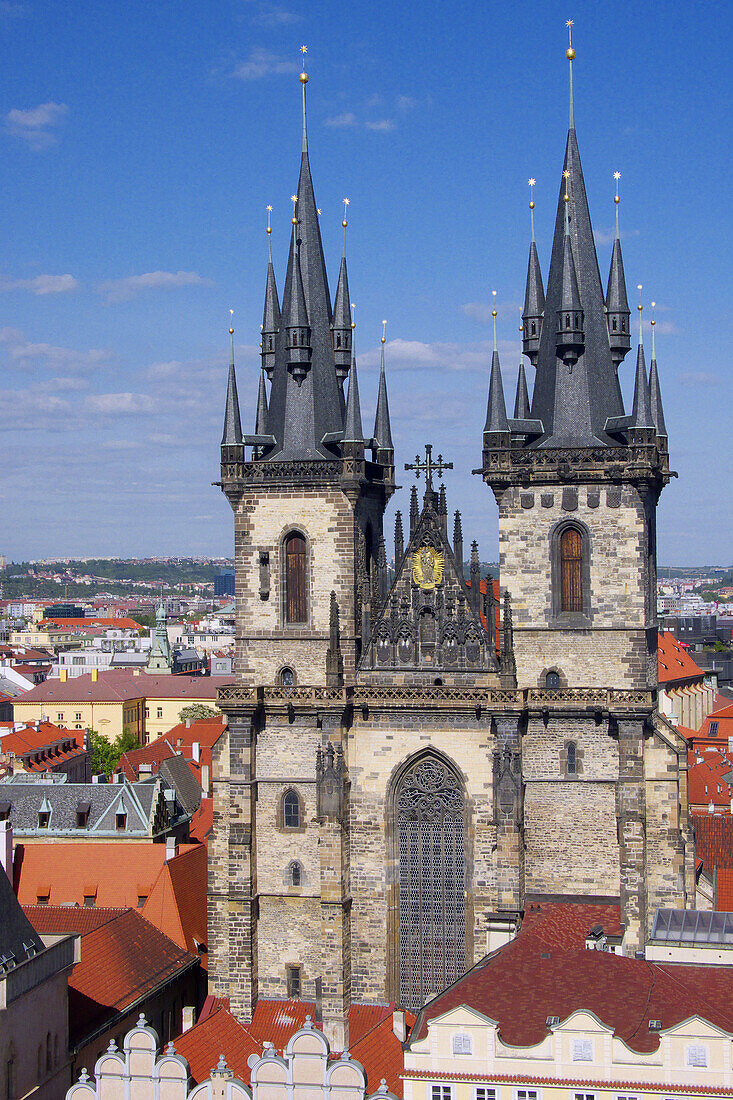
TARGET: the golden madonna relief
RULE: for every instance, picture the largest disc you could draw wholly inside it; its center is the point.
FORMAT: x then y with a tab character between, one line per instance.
427	567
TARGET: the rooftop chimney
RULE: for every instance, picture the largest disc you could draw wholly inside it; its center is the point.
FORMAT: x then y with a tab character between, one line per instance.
196	752
399	1024
6	848
95	675
171	847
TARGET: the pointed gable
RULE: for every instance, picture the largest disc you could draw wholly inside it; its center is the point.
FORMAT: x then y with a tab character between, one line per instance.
427	623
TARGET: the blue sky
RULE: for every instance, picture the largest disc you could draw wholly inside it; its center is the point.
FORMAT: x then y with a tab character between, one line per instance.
141	142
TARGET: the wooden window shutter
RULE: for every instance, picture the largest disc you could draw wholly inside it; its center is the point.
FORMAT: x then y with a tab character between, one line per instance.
571	570
295	580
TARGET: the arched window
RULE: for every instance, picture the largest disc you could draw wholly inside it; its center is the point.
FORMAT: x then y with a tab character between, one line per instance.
430	836
291	810
295	873
296	604
287	677
572	758
552	681
571	570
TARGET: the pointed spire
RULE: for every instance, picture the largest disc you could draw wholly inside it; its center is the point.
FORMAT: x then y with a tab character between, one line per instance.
232	434
414	510
261	417
382	570
399	540
475	574
341	328
271	312
303	82
496	418
353	430
534	295
458	542
521	400
655	393
617	303
570	335
641	416
295	319
382	426
570	54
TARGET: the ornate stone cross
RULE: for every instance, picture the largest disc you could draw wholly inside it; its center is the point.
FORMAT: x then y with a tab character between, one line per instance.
429	467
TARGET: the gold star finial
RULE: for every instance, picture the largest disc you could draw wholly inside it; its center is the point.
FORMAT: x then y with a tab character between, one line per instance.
231	322
532	181
304	74
344	221
384	332
570	52
294	200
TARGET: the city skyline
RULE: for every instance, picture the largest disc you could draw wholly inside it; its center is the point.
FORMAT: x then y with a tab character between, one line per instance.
137	175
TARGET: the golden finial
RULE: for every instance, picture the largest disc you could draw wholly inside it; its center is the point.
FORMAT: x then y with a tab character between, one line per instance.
653	323
493	314
570	52
318	211
616	199
384	332
269	232
344	222
294	200
640	308
353	315
304	74
531	183
231	322
566	177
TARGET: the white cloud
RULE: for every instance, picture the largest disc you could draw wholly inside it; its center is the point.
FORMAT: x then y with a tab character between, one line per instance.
263	63
405	103
700	379
444	357
122	290
347	118
116	404
164	370
607	236
381	124
66	384
271	16
38	126
481	311
63	359
42	284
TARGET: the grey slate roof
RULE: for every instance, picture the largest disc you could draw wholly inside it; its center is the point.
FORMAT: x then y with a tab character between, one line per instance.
142	802
521	399
16	931
641	416
382	426
574	404
353	429
232	433
176	773
655	396
496	418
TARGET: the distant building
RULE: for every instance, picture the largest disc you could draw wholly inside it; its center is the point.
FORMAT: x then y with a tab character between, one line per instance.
224	583
686	692
43	747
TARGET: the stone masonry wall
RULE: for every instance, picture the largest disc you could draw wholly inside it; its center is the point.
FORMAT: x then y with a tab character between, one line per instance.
612	652
264	643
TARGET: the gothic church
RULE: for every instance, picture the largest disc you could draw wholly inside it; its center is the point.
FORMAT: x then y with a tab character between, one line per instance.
411	761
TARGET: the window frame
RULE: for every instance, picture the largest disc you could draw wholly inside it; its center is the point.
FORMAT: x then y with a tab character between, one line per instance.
697	1047
288	536
462	1037
293	978
575	1047
442	1090
300	827
488	1092
581	619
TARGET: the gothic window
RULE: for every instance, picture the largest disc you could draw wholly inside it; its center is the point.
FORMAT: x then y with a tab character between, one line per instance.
404	646
383	648
614	323
572	758
552	681
571	570
295	579
287	677
430	827
291	810
295	873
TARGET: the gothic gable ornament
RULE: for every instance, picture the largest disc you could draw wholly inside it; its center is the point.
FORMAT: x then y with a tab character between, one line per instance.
427	567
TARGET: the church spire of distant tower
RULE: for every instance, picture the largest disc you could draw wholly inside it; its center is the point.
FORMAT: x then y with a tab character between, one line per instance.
641	415
496	418
341	330
617	305
271	312
382	426
232	434
534	294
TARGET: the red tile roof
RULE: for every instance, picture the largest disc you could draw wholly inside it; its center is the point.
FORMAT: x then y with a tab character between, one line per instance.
202	822
119	872
204	732
37	735
177	903
120	623
68	920
154	753
724	890
713	839
675	663
521	985
121	684
122	960
560	925
371	1039
706	779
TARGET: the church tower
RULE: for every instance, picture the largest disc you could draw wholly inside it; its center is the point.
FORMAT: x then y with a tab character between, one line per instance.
577	483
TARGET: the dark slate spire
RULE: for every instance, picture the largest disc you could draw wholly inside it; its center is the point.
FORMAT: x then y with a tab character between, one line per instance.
475	573
301	415
382	427
496	418
570	337
617	304
521	400
655	393
353	430
641	416
261	417
341	330
271	312
574	405
414	510
295	320
458	542
232	434
534	297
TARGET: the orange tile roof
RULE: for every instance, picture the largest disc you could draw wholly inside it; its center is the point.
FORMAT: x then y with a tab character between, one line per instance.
177	902
120	624
202	822
674	661
220	1033
38	735
724	890
713	839
121	684
120	872
122	960
707	781
154	753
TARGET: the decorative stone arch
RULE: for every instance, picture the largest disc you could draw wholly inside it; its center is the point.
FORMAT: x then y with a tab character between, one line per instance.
293	871
285	673
571	759
582	616
288	534
545	676
429	858
289	795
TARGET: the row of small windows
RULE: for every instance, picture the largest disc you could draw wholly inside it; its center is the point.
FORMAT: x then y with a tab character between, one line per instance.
490	1092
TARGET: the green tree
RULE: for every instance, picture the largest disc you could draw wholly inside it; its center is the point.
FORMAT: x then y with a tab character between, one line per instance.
106	754
197	710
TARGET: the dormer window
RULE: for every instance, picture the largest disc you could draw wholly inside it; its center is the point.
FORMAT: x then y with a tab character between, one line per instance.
121	820
82	815
44	819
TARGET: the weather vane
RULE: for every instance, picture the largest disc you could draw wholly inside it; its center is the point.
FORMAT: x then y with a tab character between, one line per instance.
304	74
428	467
532	181
294	200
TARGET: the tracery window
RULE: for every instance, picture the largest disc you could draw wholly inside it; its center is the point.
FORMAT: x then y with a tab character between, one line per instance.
296	604
430	812
572	758
291	810
571	570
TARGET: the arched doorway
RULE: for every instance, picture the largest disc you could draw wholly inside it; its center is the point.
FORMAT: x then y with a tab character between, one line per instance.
430	833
